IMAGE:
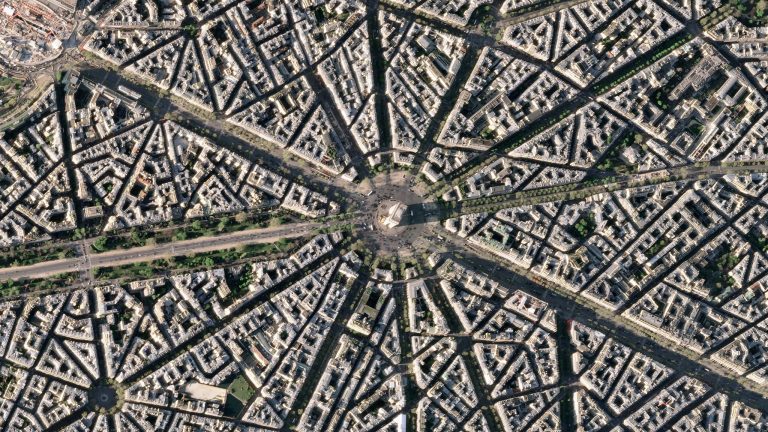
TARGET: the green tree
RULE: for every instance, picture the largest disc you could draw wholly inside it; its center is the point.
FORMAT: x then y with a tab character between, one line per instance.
99	244
137	237
222	224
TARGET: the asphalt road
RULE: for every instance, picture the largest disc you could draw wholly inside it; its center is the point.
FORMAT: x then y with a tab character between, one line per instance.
266	235
703	369
573	191
149	253
218	130
615	326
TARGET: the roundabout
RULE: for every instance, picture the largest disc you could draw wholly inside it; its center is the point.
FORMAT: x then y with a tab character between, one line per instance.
104	396
391	205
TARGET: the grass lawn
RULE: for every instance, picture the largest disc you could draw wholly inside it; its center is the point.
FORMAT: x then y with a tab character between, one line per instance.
241	389
239	393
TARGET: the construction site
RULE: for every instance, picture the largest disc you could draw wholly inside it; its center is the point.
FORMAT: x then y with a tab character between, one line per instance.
33	32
